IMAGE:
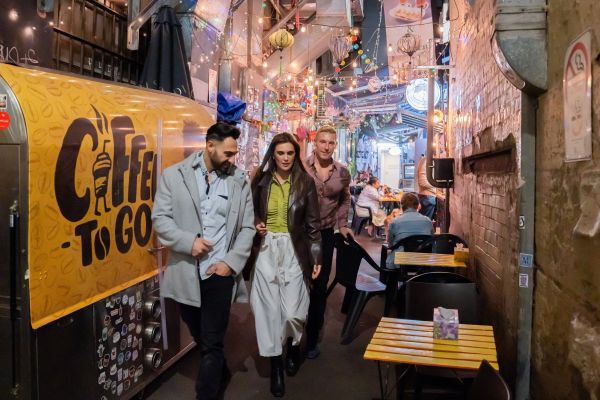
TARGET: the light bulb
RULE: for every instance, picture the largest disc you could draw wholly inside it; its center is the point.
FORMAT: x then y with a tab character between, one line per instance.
264	64
13	15
354	64
303	29
390	48
260	20
289	77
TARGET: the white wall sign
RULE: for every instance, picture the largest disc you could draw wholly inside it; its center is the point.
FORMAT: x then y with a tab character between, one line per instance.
577	99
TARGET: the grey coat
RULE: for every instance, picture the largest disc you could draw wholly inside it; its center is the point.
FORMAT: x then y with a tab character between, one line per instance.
176	219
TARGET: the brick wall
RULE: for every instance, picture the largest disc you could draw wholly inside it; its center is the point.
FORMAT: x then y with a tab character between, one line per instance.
566	327
484	119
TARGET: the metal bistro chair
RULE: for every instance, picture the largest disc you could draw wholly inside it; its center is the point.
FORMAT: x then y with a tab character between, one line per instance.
358	223
423	293
441	244
360	286
391	276
488	385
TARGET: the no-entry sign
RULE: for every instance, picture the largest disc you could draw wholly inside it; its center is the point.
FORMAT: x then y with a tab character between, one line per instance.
577	99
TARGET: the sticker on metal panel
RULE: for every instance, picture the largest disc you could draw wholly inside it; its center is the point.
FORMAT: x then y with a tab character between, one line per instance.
4	120
525	260
523	280
521	222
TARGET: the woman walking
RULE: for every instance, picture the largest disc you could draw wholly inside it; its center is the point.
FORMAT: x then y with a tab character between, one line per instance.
286	213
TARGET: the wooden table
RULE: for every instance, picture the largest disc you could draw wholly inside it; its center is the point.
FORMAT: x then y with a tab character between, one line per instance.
406	258
388	202
403	259
404	341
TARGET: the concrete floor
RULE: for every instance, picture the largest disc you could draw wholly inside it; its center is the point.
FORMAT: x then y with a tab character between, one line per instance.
338	373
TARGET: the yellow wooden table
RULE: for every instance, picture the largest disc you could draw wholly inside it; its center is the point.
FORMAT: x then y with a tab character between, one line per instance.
406	258
404	341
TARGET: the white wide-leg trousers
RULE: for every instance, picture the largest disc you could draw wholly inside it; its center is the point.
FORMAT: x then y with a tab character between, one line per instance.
278	297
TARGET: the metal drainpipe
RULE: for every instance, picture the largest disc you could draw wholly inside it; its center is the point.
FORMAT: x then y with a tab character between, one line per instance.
526	243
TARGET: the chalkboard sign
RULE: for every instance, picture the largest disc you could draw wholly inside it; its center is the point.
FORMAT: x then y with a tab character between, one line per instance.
25	33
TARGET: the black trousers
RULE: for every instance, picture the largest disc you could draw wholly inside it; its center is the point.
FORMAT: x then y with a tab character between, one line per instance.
318	298
207	325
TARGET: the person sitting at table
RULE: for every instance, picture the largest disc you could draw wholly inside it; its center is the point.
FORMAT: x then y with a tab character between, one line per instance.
409	223
369	198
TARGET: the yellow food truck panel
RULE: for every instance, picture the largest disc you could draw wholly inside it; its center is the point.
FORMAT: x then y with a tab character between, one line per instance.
94	151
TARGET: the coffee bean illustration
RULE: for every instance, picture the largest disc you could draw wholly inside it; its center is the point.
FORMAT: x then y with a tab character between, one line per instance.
102	243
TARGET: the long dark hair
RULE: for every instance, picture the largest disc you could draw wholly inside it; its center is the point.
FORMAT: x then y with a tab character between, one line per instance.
268	163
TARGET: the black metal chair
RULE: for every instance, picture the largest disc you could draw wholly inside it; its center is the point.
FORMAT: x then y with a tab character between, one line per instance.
488	385
441	244
426	291
358	223
360	287
391	276
423	293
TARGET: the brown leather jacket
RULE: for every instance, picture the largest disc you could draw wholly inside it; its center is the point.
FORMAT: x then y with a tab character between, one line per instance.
303	218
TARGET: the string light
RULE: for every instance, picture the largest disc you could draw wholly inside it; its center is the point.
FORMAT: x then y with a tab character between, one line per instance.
303	29
354	64
265	64
390	49
13	15
260	20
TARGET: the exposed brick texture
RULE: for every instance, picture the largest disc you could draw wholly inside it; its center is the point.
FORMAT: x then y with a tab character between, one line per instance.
484	114
566	326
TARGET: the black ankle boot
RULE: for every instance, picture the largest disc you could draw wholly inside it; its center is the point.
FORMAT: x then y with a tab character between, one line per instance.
292	360
277	382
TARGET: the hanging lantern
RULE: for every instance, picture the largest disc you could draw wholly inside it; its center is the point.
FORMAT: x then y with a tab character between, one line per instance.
281	39
375	84
339	45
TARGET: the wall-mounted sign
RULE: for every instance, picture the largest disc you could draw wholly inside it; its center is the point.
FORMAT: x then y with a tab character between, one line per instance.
25	34
577	99
416	93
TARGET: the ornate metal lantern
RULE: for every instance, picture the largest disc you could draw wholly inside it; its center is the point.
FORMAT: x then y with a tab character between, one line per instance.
340	45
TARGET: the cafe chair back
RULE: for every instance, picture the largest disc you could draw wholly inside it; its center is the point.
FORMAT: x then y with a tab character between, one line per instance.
488	385
441	244
361	284
358	223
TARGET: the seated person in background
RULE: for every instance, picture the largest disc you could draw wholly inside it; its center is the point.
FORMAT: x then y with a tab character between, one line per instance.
369	197
409	223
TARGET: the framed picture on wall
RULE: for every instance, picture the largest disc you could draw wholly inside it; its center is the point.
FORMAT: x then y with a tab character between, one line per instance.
212	86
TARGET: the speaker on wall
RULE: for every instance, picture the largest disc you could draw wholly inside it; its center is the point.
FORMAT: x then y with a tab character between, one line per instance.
443	170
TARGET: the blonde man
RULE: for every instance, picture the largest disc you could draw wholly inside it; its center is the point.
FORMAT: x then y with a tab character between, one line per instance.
332	180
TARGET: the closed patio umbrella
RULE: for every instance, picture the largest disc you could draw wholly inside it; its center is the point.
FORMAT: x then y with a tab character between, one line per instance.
166	66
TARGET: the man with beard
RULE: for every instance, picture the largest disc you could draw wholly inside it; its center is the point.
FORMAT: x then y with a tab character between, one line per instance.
203	213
